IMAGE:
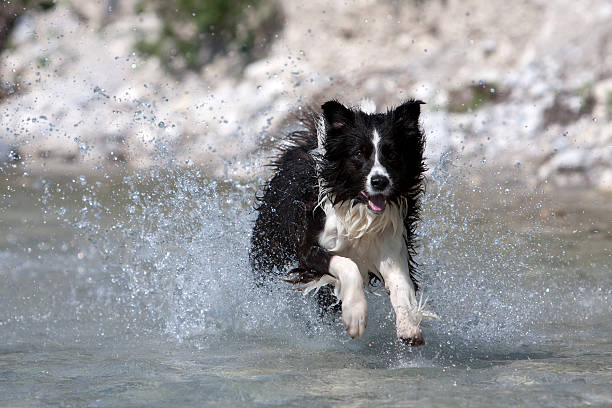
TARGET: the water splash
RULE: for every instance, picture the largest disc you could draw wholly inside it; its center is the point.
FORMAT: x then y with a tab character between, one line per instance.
176	243
185	260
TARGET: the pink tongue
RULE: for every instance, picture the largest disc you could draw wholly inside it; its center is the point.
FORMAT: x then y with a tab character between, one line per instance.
377	202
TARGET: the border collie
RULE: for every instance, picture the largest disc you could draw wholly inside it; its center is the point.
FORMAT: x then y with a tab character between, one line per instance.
342	205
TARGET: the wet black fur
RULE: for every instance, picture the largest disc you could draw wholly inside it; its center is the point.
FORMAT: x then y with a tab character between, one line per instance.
289	222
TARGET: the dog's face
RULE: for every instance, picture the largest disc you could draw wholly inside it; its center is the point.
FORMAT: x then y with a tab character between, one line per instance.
372	158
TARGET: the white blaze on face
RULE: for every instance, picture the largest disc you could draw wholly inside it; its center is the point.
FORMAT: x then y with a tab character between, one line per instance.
377	169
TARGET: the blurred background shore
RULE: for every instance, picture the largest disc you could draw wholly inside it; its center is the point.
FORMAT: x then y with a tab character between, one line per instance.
522	90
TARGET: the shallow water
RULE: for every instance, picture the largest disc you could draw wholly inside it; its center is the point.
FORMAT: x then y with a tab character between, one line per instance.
136	291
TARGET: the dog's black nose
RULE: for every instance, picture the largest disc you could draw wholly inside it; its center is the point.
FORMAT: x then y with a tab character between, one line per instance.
379	182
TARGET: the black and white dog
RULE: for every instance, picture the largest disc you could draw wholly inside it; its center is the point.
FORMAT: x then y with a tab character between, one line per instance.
343	204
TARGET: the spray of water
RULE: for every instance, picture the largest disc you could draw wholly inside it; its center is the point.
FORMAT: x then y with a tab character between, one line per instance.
185	261
176	244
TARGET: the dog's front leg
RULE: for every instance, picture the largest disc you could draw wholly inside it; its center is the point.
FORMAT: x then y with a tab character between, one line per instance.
351	293
395	273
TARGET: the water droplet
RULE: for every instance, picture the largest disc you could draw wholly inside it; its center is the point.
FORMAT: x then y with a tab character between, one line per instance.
594	120
133	66
507	191
517	165
82	146
492	90
161	125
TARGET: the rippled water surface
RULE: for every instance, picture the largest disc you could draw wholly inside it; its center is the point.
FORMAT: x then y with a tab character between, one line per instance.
135	290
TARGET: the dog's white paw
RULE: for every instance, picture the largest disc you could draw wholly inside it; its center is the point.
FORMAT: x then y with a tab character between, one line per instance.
407	326
355	315
412	336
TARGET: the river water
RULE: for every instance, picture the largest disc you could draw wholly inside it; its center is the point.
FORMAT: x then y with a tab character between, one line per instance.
133	289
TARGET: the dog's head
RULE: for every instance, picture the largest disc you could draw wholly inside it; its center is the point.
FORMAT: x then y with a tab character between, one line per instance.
371	158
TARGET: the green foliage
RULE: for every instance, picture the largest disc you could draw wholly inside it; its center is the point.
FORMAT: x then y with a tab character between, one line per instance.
473	97
195	31
37	4
42	62
587	100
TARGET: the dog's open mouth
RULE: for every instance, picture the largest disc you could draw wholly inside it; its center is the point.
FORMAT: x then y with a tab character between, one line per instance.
376	203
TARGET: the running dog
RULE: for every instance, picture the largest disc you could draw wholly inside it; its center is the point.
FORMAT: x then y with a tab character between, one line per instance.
341	209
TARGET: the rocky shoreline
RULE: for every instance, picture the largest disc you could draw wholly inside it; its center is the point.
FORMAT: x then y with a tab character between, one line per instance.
506	86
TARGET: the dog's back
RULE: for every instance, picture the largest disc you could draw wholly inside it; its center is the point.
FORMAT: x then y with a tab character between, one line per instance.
287	208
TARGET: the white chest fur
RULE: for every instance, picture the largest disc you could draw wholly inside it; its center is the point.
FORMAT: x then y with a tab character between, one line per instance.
368	239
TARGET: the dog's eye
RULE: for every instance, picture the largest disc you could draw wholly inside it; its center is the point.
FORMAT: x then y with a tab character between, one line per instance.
358	155
391	155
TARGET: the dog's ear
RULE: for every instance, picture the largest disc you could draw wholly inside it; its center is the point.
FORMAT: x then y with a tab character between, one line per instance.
337	115
407	113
